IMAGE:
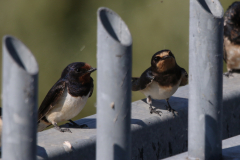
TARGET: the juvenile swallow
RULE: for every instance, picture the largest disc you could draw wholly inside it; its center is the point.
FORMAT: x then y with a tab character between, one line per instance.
232	38
161	80
67	97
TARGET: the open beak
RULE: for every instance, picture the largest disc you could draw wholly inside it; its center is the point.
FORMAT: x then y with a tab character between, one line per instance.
91	70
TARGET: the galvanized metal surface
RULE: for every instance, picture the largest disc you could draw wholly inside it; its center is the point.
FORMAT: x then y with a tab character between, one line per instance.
114	64
19	101
230	150
153	137
205	79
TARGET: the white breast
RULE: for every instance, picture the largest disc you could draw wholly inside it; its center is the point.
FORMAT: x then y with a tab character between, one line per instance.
157	92
233	54
67	107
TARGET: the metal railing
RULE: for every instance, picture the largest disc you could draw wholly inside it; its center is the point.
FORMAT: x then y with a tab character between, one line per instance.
19	101
114	63
205	79
114	58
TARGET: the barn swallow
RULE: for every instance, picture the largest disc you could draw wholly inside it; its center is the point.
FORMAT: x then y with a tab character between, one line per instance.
161	80
67	97
232	38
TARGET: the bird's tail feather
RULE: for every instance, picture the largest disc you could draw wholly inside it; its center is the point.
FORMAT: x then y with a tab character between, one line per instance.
42	125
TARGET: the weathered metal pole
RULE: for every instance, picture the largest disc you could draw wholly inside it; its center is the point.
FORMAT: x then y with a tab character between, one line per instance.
114	64
19	101
205	80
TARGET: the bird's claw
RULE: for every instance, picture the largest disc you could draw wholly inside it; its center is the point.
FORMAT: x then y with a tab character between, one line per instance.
61	129
65	130
154	111
228	74
170	109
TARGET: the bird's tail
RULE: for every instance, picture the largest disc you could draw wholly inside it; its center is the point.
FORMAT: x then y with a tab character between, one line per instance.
42	125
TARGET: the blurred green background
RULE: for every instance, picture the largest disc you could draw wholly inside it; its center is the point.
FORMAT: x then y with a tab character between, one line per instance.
61	32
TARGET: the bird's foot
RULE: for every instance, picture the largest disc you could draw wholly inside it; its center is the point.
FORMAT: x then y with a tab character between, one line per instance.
63	129
75	125
228	74
154	111
170	109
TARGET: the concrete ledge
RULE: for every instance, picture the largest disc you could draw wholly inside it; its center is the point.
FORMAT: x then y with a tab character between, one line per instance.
153	137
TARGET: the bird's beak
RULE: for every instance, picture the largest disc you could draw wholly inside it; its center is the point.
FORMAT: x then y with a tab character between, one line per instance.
166	57
91	70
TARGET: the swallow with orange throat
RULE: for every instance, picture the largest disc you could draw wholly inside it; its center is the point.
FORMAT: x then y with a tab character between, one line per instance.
232	38
67	97
161	80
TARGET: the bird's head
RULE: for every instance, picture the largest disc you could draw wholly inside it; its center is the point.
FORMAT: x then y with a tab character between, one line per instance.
232	16
163	60
78	71
232	22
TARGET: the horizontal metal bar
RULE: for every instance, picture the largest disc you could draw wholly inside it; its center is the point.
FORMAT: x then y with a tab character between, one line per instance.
230	150
153	137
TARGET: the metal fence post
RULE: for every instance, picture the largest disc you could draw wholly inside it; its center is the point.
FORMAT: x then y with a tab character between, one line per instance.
19	101
114	64
205	80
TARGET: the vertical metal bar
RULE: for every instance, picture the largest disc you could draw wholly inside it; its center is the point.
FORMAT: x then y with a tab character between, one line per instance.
19	101
114	63
205	79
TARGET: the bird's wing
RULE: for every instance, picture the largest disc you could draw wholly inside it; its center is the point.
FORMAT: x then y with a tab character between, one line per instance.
91	90
224	54
141	83
185	78
52	96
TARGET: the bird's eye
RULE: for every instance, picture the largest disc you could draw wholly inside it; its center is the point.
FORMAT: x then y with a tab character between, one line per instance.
156	59
77	70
